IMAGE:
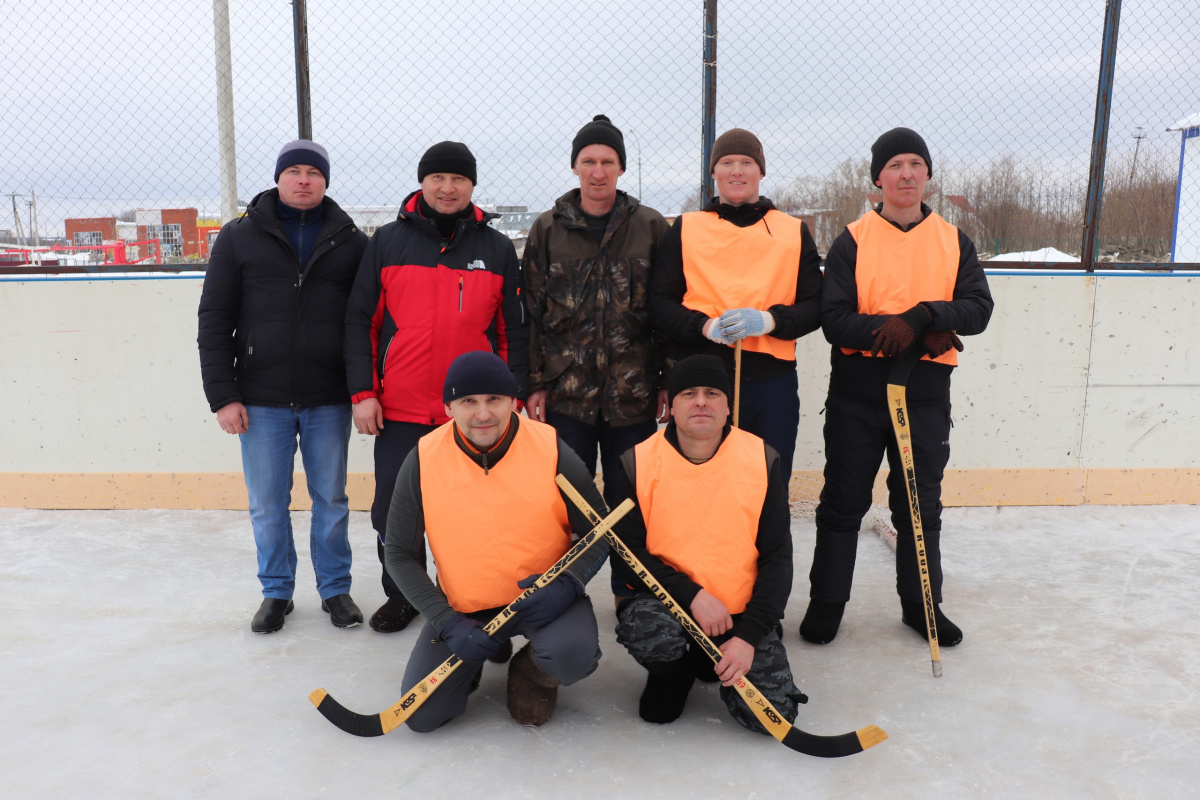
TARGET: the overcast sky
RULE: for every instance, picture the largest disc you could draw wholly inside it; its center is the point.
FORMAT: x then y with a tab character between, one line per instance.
109	105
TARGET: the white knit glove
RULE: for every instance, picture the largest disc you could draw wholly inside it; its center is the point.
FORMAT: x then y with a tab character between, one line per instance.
738	323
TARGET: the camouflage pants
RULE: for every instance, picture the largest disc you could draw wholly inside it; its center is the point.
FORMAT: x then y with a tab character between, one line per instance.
652	636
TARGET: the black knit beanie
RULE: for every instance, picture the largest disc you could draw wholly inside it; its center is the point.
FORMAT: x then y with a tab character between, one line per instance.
478	372
738	142
893	143
599	131
453	158
302	151
698	371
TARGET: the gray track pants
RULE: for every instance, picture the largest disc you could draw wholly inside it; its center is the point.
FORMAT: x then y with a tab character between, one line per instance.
568	648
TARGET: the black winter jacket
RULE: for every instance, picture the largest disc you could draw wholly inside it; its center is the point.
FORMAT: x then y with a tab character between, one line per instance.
271	328
865	379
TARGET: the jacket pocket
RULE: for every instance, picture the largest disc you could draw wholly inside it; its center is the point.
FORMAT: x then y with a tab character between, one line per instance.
565	285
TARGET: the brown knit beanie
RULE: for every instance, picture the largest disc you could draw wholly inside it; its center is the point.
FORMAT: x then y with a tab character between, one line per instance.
738	142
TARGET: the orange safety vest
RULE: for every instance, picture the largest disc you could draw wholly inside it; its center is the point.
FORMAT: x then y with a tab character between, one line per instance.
489	530
897	269
702	519
730	267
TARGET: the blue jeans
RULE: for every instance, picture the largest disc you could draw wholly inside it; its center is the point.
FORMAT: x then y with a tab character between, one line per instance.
771	411
268	459
612	440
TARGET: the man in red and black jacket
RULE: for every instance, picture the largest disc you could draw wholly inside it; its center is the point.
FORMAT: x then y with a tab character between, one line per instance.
434	284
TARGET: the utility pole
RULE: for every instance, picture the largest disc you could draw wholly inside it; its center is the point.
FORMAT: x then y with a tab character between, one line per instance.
303	95
17	218
33	220
638	141
1139	135
226	142
708	116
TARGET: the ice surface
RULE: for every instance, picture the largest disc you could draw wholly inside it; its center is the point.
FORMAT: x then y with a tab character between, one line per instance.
130	671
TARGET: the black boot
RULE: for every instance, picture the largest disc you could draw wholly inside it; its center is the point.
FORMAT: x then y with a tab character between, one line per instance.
393	616
269	617
343	613
666	691
948	634
821	621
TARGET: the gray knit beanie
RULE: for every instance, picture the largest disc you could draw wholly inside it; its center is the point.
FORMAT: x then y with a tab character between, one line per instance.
302	151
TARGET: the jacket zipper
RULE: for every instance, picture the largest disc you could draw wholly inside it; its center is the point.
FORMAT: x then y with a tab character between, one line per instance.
460	292
383	361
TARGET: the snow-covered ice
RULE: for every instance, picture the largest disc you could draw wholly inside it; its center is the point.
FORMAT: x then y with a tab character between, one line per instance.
130	671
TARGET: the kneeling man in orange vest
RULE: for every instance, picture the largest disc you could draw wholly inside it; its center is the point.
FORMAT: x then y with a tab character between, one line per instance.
713	527
481	488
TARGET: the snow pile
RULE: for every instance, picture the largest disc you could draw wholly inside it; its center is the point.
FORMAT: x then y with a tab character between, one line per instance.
1043	256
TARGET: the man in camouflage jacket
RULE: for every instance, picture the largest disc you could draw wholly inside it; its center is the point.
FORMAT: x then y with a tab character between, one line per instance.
594	365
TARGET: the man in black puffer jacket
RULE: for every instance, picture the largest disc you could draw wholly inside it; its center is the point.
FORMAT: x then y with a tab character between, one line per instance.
272	314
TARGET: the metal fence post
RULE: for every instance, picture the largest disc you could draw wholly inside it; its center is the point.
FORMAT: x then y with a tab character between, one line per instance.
303	96
709	113
1095	193
226	142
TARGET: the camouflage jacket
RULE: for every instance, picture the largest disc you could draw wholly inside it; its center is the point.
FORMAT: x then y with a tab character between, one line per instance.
590	343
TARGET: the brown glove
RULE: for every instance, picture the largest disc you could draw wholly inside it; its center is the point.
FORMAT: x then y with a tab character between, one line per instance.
898	333
939	342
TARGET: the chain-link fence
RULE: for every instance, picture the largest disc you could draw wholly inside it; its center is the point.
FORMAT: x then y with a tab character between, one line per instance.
111	109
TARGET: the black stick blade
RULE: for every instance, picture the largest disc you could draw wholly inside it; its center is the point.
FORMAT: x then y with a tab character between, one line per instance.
344	718
834	746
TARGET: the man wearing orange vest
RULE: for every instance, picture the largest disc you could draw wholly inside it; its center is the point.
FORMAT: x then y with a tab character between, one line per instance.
741	270
712	525
901	276
481	488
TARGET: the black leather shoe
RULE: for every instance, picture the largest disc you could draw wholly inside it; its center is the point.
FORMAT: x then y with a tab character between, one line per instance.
392	616
270	615
342	611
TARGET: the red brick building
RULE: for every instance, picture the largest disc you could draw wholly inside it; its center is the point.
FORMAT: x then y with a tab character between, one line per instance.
174	227
91	230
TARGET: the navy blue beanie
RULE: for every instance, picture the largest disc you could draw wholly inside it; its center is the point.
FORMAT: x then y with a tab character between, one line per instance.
302	151
478	372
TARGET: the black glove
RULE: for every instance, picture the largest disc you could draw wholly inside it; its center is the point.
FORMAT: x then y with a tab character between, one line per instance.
939	342
898	333
466	638
549	602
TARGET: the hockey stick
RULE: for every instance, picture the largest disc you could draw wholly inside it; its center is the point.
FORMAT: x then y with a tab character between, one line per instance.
898	406
737	381
392	718
783	731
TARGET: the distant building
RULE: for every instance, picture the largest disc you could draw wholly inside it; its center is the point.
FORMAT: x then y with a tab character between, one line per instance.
91	231
175	228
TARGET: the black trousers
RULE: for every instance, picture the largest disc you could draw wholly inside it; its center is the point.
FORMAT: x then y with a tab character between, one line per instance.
857	435
392	446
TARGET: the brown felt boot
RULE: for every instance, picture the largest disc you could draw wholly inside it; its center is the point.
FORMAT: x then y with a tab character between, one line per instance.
532	693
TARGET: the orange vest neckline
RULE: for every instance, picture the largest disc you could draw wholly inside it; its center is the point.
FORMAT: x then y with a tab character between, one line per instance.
754	267
702	519
489	530
897	269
